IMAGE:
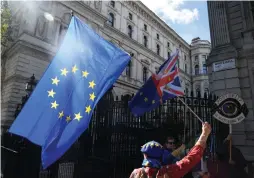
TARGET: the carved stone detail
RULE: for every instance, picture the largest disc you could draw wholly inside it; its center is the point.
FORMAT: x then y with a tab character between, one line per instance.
41	27
97	5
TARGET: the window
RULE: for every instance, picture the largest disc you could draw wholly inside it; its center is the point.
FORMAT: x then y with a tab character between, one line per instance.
207	91
158	49
203	57
145	41
204	69
196	69
252	10
186	91
168	44
130	31
130	16
158	36
197	90
185	57
144	74
185	68
168	54
145	27
111	19
112	3
128	70
196	58
62	33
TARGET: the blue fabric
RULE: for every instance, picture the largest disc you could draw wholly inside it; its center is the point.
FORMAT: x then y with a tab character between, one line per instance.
152	149
154	152
152	163
168	158
60	108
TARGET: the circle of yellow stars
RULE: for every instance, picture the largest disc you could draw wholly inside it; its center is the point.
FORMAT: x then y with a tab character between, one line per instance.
146	99
55	105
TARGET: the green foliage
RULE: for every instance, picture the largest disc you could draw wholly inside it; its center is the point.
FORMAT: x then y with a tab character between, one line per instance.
5	21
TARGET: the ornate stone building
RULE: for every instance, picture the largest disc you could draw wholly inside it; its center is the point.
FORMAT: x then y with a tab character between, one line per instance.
128	24
200	50
231	61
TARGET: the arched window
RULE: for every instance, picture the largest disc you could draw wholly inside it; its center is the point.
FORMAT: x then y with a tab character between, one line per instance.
130	31
112	3
128	70
111	19
145	41
144	74
158	49
197	90
196	69
204	69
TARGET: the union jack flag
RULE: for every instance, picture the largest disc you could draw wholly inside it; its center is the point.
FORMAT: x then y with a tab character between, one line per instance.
167	79
159	87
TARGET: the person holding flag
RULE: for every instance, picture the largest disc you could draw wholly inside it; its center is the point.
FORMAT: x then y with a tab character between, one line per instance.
152	166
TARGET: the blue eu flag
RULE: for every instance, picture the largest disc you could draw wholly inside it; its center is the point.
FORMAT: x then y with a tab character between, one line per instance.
60	108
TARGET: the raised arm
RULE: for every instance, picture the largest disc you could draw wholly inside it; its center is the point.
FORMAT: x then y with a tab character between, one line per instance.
194	156
178	151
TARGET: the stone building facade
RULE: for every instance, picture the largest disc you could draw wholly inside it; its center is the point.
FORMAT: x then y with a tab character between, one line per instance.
232	39
128	24
200	49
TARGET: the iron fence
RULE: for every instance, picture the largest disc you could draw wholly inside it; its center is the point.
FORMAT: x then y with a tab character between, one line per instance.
110	147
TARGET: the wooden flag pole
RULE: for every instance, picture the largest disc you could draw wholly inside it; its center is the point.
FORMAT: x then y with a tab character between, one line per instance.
230	145
191	110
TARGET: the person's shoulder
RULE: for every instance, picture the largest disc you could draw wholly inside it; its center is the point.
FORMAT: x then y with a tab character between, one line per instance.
135	172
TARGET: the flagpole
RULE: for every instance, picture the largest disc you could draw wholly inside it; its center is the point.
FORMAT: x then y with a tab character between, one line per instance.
191	110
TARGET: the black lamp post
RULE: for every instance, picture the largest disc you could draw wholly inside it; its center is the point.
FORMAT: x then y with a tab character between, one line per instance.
30	85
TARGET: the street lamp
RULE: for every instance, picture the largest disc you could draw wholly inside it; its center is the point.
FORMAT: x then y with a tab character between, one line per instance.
30	85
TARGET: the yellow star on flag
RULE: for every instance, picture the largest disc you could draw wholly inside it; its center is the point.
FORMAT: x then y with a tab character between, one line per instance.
64	72
54	105
85	74
78	116
51	93
146	99
68	118
74	69
55	81
153	101
92	96
61	114
91	84
88	109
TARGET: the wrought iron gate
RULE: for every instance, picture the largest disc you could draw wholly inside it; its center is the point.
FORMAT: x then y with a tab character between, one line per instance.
111	146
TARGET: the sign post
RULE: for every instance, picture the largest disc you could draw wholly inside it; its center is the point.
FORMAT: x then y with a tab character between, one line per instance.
230	109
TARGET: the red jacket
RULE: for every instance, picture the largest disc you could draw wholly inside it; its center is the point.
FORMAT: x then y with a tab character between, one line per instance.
177	170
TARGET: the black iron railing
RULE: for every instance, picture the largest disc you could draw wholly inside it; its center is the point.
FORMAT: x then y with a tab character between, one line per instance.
111	145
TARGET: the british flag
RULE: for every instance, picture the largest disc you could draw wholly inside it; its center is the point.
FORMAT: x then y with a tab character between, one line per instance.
167	79
160	87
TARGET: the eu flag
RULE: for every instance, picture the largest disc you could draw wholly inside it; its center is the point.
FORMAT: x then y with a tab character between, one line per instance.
60	108
159	87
